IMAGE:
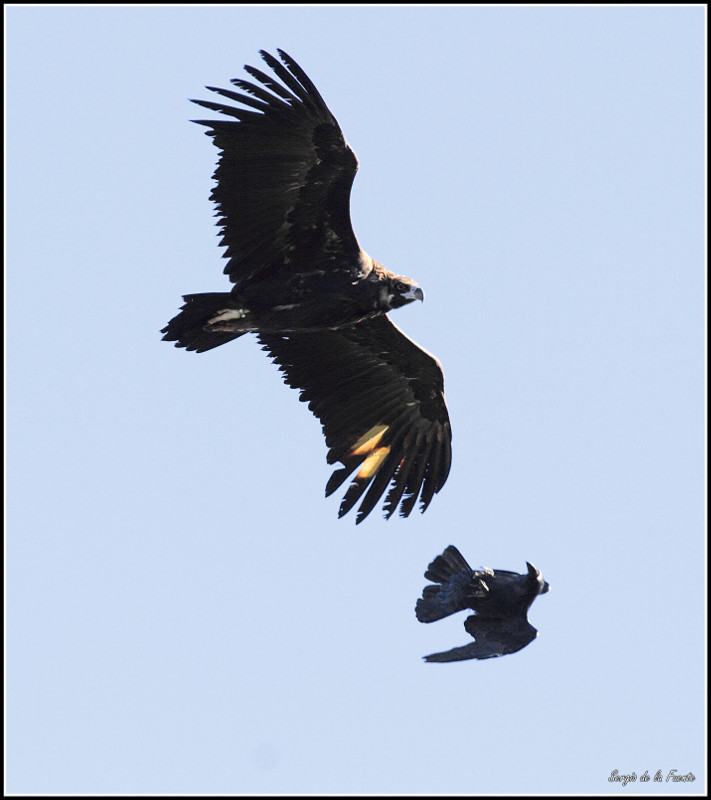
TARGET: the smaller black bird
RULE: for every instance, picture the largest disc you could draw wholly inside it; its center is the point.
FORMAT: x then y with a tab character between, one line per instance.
500	600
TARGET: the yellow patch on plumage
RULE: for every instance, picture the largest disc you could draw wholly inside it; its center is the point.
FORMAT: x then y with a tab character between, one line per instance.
369	440
372	464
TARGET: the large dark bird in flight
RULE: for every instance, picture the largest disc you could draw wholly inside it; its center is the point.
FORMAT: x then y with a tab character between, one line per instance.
500	600
316	301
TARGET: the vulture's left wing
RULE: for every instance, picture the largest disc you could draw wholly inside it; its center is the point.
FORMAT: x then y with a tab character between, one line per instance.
380	400
284	176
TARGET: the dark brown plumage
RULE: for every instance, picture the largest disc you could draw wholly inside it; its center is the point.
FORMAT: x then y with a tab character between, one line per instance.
314	298
499	598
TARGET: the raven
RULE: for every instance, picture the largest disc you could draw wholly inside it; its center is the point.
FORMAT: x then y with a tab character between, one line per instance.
317	302
500	599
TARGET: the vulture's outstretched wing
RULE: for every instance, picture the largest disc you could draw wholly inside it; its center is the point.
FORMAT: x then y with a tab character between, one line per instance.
381	404
494	637
284	176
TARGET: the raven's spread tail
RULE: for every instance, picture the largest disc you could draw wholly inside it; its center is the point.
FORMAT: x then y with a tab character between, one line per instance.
197	327
460	586
450	563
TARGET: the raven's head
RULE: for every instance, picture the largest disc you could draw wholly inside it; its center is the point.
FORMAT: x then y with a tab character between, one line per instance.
536	577
399	291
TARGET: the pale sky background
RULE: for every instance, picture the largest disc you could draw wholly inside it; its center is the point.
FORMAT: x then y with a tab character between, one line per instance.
185	611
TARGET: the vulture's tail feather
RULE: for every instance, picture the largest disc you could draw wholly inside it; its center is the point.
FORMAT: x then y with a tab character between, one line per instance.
197	326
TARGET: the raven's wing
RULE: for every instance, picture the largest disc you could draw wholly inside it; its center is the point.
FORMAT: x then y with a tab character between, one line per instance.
494	637
284	176
380	399
460	592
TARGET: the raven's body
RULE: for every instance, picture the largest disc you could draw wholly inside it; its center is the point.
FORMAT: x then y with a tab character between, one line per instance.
500	598
315	299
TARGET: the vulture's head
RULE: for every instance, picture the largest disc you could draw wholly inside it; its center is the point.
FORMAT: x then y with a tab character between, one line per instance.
399	291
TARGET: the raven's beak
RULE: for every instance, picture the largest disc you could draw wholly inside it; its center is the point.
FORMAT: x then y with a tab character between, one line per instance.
536	575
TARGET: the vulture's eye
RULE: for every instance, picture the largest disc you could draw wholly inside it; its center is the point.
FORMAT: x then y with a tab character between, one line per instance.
400	286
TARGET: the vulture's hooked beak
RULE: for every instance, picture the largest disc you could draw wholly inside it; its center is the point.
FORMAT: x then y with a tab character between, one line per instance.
414	293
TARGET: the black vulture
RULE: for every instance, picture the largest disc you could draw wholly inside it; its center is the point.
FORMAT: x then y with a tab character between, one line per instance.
316	301
500	600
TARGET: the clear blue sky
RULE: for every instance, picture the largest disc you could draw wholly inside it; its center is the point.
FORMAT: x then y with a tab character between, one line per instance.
185	611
